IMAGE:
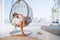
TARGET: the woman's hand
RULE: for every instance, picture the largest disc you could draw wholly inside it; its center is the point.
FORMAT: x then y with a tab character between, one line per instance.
15	24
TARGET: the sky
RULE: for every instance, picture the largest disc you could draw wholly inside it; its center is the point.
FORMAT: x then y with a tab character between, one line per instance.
41	8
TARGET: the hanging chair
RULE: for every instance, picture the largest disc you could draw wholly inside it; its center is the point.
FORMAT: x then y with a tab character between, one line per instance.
21	7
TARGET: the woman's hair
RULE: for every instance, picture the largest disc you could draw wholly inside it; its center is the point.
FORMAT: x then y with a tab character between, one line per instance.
15	14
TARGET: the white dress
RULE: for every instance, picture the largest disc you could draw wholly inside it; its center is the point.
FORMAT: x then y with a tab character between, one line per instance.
16	20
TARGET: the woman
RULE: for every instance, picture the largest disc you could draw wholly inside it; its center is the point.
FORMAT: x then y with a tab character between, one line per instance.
18	20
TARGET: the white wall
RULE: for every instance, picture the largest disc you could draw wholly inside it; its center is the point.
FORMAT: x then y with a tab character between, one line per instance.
1	15
1	12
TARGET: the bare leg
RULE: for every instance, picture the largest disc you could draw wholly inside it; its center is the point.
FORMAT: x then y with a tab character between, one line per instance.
21	27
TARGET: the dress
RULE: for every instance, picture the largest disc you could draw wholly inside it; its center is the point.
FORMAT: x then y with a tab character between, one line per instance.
17	21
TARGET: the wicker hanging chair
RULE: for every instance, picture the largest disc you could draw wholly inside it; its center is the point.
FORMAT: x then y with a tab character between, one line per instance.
21	7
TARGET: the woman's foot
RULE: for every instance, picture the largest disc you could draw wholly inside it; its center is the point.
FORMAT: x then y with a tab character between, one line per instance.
24	34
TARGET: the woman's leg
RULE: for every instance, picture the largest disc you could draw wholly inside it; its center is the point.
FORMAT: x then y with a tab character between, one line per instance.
21	27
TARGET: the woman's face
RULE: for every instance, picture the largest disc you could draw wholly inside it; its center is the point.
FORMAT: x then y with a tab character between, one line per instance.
16	16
